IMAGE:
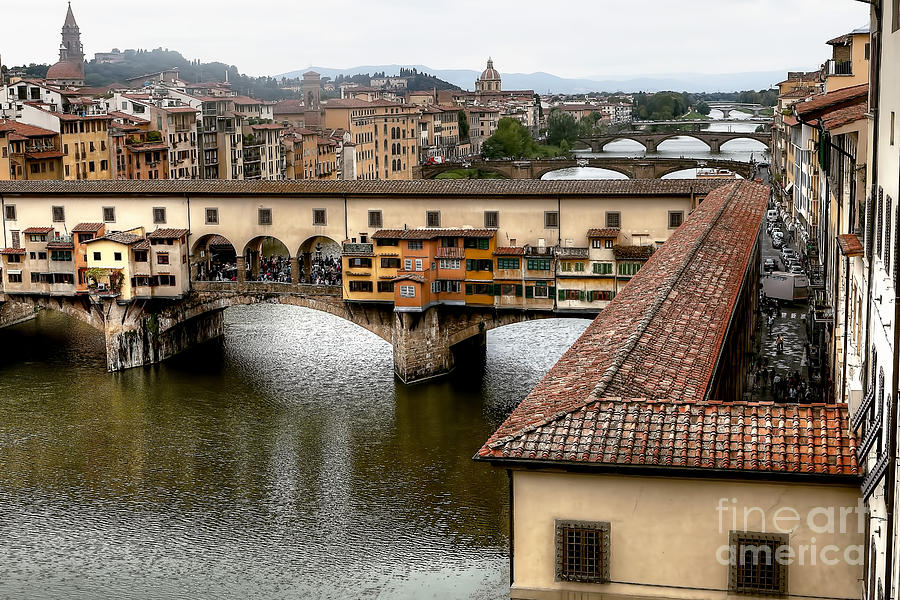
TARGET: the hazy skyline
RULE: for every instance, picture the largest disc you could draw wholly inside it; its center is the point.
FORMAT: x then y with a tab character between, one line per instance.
569	39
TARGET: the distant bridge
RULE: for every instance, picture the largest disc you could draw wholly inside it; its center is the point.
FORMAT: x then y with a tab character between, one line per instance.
701	122
651	141
634	168
728	107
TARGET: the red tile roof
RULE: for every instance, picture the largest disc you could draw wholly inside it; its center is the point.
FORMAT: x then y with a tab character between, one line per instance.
844	116
419	278
167	234
739	436
836	99
59	245
87	228
38	230
388	234
120	237
12	251
141	245
633	252
606	232
661	337
509	251
29	130
181	109
219	240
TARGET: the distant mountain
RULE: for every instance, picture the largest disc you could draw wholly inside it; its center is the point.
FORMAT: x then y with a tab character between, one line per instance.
543	83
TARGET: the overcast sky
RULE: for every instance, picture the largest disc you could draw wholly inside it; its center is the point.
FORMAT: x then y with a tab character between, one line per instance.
569	38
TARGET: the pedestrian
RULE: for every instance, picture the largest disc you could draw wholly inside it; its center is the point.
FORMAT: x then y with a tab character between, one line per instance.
779	343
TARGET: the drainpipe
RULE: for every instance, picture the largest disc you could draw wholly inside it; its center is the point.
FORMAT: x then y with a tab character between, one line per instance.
346	224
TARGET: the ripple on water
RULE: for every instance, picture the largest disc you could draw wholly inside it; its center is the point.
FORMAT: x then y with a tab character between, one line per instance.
283	461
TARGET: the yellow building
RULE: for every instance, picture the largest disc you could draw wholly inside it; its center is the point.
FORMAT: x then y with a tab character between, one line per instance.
5	130
358	118
118	265
85	146
34	153
849	63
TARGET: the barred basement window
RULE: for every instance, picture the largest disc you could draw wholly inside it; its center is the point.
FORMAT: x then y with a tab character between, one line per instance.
159	215
265	216
414	245
613	219
59	214
109	214
582	551
375	219
491	218
10	212
319	219
755	567
433	218
551	219
212	216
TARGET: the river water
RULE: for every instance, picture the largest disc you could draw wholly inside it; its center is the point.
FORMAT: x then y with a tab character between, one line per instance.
682	146
282	461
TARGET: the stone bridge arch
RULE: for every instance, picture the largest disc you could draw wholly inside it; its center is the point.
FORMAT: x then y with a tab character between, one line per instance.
540	172
213	255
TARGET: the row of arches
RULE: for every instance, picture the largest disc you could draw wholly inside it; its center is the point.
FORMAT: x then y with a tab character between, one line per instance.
628	143
266	258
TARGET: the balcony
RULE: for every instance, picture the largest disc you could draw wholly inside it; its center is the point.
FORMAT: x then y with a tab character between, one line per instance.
838	67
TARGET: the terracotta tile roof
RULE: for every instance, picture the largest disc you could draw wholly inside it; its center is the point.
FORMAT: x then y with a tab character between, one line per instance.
509	251
801	92
29	130
450	253
429	233
45	154
141	245
661	337
844	116
120	237
419	278
219	240
388	234
38	230
420	187
180	109
633	252
569	253
126	117
836	99
149	147
267	126
87	228
739	436
850	244
59	245
354	103
12	251
167	234
605	232
287	107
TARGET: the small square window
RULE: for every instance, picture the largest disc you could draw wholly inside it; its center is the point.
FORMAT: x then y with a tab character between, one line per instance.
551	219
754	566
117	256
492	219
614	219
109	214
375	219
159	215
433	218
319	217
582	551
96	256
59	214
265	216
10	212
676	218
212	216
162	258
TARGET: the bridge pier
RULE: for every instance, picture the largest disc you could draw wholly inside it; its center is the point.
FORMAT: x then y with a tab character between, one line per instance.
714	146
12	313
138	338
650	146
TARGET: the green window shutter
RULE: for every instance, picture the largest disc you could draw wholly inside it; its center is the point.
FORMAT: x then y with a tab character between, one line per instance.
562	294
483	243
581	295
470	289
529	291
518	290
551	290
496	289
469	264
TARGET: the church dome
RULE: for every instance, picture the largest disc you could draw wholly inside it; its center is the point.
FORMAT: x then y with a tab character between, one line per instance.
65	70
490	74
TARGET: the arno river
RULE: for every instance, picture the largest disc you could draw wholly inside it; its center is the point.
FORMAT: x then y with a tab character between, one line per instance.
283	461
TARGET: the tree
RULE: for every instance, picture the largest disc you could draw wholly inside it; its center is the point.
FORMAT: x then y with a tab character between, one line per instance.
561	126
510	140
702	108
463	120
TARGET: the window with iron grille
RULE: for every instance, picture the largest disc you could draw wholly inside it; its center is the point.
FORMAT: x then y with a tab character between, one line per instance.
375	219
582	551
755	568
10	212
879	238
414	245
613	219
319	217
551	219
676	218
265	216
870	222
159	215
109	214
385	286
433	218
491	218
59	214
212	216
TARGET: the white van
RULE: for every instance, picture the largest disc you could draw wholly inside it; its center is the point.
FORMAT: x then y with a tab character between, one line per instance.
772	215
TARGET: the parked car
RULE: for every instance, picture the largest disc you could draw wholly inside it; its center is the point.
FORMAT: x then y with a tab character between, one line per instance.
796	269
770	265
787	253
777	243
772	215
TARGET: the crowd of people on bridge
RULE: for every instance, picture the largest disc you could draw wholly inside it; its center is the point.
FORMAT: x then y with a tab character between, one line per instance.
324	270
271	268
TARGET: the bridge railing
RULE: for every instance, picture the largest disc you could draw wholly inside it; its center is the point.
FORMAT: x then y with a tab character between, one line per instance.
266	287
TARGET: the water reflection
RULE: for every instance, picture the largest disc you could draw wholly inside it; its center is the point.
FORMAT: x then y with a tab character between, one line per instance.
284	461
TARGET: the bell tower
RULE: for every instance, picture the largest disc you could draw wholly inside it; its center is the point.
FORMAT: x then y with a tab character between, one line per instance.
71	49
